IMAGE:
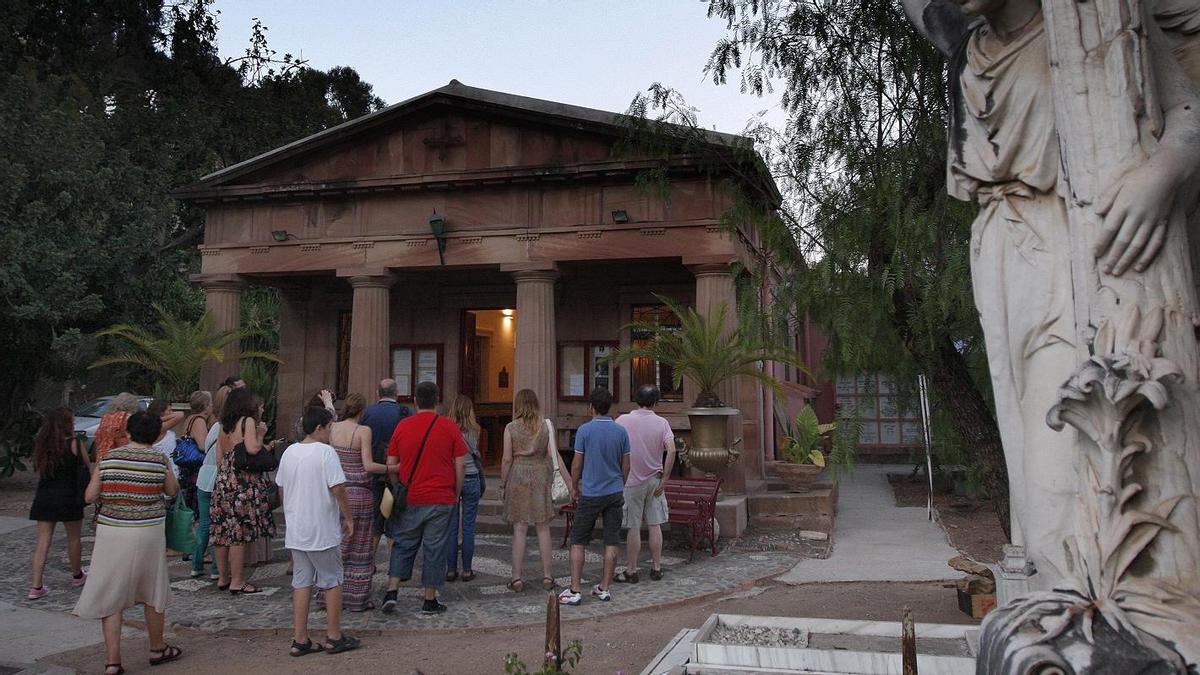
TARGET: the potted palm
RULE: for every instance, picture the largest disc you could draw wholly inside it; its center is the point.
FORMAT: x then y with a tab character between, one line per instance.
175	353
803	459
708	353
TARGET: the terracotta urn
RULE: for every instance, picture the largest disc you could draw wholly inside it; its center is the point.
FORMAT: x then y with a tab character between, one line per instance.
799	477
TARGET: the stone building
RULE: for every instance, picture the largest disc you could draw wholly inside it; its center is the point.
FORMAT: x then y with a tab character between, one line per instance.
488	242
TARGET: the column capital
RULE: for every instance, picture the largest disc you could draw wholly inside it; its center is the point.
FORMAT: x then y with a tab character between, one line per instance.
701	269
219	282
535	275
370	280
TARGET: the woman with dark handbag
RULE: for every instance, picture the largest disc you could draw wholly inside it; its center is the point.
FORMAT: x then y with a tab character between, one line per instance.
240	512
462	519
61	463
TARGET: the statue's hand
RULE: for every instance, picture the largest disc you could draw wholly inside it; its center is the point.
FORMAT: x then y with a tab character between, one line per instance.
1134	211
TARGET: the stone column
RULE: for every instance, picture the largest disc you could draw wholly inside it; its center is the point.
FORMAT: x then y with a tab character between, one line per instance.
370	331
293	352
714	288
223	298
536	358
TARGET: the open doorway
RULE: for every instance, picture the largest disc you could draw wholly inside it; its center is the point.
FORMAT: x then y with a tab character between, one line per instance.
489	350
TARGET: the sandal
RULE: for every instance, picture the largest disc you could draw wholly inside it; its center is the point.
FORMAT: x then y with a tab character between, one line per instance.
343	644
452	575
246	589
222	587
516	585
467	575
548	583
119	670
307	648
626	577
656	574
169	653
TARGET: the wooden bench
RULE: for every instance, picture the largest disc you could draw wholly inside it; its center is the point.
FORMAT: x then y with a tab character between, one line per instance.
690	501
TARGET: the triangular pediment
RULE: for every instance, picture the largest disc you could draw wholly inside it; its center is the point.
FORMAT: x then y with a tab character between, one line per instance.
441	139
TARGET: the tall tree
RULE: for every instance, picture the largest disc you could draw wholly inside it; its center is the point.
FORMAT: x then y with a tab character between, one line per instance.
106	106
868	242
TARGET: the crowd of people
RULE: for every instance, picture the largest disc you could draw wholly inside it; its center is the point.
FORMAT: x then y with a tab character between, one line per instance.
416	477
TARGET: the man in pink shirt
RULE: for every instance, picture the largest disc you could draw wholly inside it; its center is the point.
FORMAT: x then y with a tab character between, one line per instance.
650	436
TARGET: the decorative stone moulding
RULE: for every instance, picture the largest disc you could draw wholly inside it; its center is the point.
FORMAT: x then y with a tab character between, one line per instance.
712	229
259	250
210	252
413	243
362	245
310	248
528	237
468	241
653	231
589	234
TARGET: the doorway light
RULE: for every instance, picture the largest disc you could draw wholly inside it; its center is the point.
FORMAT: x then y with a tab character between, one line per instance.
507	312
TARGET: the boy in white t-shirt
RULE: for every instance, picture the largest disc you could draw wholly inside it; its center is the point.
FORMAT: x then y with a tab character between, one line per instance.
311	483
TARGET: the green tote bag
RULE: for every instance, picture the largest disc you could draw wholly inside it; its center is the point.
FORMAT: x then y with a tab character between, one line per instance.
179	528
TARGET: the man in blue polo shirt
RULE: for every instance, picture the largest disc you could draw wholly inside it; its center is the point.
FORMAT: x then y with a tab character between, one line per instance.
598	475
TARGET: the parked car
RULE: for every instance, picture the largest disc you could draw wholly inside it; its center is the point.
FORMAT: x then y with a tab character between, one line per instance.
87	415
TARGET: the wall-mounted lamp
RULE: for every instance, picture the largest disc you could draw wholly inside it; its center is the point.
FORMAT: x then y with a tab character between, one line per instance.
282	235
620	216
437	225
507	312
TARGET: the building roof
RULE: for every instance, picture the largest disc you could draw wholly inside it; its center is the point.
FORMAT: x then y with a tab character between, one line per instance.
457	93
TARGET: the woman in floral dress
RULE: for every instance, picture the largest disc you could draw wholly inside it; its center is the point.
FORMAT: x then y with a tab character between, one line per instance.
240	512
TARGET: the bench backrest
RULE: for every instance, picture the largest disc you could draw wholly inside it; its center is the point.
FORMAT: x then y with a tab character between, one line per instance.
691	488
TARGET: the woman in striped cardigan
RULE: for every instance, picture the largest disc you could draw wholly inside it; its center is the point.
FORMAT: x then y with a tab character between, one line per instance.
129	563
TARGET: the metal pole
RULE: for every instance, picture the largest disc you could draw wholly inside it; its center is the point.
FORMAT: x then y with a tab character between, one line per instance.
924	387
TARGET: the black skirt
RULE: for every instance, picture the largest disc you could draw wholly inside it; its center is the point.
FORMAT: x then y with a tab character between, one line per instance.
59	498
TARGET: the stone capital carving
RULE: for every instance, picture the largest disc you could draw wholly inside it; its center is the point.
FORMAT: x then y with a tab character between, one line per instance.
711	269
227	283
372	281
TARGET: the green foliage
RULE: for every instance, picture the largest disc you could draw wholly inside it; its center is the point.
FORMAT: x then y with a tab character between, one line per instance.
105	107
805	434
176	352
16	442
513	665
705	351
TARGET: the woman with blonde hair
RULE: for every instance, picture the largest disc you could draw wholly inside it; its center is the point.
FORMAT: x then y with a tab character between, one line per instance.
526	474
462	411
352	441
111	432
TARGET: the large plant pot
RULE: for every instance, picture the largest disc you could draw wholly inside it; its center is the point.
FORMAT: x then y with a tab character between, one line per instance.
799	477
710	450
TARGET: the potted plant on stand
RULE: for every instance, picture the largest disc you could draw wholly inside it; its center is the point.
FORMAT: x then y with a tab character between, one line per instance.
708	353
803	459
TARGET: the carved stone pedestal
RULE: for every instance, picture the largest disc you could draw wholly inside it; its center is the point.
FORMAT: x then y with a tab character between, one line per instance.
1012	574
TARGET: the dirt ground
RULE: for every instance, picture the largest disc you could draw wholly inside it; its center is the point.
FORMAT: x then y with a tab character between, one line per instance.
970	523
16	494
622	643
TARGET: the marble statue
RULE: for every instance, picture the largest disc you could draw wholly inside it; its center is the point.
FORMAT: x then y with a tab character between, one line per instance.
1075	126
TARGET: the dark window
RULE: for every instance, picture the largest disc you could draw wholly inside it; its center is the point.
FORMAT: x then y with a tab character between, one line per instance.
647	370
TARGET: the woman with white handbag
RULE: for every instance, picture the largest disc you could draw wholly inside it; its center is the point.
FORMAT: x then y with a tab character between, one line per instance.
534	483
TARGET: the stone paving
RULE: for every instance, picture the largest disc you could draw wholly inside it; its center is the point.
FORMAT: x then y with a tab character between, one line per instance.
483	602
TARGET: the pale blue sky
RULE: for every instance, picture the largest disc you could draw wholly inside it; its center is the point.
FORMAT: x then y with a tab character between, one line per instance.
595	53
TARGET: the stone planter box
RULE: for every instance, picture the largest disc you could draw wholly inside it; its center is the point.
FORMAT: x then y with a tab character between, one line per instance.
833	646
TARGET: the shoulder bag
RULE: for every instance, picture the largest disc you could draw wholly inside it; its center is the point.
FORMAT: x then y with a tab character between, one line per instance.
187	454
399	490
560	494
262	462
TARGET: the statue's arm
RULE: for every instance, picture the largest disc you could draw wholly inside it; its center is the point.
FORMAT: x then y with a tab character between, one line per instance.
1136	209
940	21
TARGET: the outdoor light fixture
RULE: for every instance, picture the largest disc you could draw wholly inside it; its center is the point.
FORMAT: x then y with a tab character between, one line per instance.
506	312
437	225
620	216
282	235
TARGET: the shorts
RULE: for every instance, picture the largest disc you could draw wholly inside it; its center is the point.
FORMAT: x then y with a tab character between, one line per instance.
322	569
590	508
642	506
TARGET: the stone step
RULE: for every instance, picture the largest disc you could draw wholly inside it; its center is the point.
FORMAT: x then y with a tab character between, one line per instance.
821	500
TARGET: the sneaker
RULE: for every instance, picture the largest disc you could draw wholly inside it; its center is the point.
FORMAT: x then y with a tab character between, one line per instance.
432	607
601	593
570	597
35	593
80	580
389	602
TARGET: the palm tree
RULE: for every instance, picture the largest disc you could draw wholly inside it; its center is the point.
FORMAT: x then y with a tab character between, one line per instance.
702	349
177	351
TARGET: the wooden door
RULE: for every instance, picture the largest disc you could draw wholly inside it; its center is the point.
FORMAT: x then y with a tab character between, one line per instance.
468	356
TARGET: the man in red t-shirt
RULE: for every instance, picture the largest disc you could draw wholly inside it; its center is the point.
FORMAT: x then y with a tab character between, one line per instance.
434	476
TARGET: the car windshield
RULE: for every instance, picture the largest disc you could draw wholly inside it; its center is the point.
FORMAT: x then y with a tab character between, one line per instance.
93	408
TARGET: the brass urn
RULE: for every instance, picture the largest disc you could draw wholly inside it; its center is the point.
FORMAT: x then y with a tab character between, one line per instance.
710	451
